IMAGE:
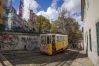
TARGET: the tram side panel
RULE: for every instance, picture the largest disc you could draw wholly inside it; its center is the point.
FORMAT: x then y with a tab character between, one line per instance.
45	46
61	42
42	43
49	44
65	42
50	49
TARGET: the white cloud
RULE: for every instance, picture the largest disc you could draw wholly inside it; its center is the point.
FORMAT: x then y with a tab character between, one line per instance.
54	3
72	5
50	14
29	4
33	5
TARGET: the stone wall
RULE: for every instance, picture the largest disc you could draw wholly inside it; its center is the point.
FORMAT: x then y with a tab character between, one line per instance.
19	41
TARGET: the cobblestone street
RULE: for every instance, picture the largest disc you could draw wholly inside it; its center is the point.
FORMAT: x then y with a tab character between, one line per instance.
28	58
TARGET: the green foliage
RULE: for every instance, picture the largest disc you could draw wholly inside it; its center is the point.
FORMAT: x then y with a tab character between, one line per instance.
2	27
63	25
42	25
69	26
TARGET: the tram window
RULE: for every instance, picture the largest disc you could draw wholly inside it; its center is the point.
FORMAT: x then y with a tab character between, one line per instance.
0	46
63	38
57	38
60	38
53	39
43	40
0	3
48	40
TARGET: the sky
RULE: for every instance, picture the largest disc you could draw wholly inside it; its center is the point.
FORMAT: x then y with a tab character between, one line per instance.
50	8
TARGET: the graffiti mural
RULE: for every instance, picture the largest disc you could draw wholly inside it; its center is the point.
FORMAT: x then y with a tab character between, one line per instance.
17	42
30	42
8	41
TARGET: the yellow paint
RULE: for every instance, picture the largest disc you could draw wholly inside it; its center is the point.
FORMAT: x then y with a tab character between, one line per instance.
50	49
59	45
65	43
62	44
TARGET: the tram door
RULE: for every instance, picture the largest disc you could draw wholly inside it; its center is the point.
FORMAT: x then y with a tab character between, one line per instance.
53	44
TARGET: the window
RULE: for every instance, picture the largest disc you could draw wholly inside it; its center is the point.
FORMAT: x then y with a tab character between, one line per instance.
90	39
86	37
0	3
97	33
53	39
0	15
48	40
0	46
43	40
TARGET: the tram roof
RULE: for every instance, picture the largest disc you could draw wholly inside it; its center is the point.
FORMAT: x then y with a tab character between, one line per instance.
53	34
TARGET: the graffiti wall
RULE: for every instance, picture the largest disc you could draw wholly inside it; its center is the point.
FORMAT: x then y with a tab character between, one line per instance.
18	42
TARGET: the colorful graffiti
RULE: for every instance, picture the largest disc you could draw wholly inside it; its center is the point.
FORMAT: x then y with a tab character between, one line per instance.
13	42
30	42
8	41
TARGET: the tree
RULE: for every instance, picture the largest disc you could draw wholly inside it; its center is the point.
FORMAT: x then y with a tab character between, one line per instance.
42	25
68	25
2	26
54	27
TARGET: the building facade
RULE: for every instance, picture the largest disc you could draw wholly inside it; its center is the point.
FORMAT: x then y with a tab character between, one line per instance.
90	17
1	10
4	10
2	14
24	10
27	14
11	12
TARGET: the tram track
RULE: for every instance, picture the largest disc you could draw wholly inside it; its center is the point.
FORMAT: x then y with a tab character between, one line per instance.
67	62
33	56
64	61
39	59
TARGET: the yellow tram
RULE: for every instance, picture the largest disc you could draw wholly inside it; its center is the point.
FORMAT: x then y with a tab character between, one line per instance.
53	43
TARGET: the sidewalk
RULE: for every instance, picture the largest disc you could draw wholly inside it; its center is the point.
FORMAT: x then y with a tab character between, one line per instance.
4	61
1	64
85	61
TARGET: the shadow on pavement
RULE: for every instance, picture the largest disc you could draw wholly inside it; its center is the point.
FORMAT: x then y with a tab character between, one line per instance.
25	57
